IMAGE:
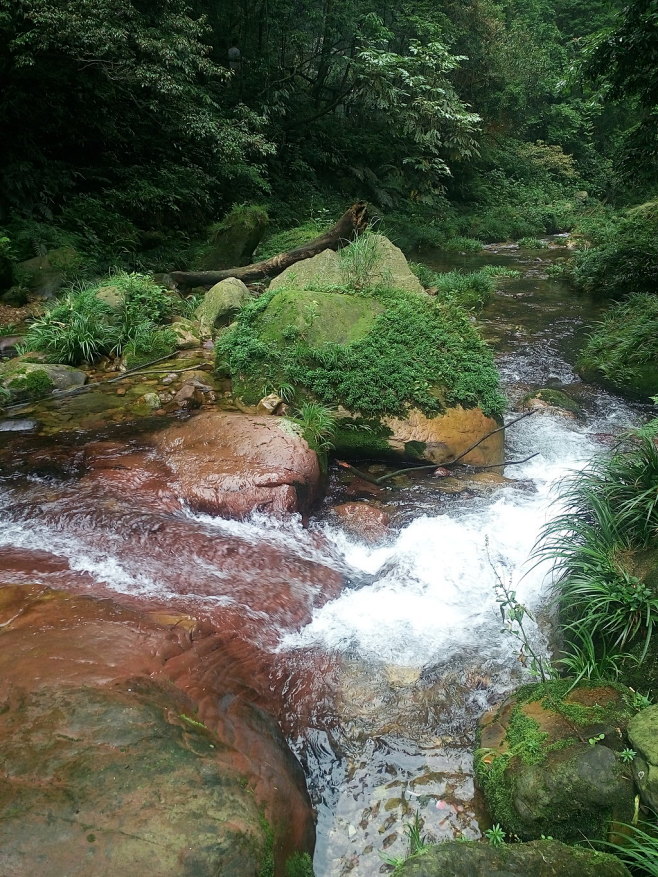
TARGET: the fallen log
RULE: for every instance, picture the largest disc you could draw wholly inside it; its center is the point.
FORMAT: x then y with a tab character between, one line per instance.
351	223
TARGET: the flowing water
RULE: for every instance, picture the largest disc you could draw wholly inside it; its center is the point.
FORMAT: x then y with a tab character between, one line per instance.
376	660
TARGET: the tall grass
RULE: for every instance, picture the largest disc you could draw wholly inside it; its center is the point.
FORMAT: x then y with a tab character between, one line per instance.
610	516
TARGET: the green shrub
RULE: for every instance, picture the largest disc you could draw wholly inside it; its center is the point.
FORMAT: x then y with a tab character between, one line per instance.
81	327
471	290
623	350
623	255
416	352
461	244
532	243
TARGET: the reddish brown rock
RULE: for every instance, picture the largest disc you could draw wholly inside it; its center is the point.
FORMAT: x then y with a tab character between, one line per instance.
366	521
132	744
222	463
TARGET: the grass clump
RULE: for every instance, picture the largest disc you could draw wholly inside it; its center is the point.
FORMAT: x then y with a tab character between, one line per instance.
639	848
623	350
404	351
84	325
530	243
604	547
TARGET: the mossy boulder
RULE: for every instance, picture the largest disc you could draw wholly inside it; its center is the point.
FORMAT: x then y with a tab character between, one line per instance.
643	736
548	764
221	303
541	858
378	263
550	398
232	241
46	274
381	358
34	380
187	333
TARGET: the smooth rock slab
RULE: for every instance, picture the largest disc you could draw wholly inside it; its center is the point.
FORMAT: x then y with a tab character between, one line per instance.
113	781
542	858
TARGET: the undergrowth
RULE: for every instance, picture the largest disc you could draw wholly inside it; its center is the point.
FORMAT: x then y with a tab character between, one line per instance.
82	326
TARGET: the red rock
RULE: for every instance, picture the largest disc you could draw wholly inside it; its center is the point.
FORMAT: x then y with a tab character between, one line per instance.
221	463
368	522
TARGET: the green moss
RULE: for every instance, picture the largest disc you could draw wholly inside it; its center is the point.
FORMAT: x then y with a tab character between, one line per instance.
33	384
299	865
377	355
556	398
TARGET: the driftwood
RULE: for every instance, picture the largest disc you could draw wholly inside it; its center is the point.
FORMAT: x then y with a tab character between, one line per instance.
351	223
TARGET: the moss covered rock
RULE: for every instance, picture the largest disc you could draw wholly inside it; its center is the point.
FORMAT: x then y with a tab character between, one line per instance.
543	858
547	761
373	261
232	241
221	303
34	380
550	398
643	735
375	356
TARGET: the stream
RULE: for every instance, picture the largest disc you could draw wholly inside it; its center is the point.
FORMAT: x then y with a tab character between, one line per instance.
378	688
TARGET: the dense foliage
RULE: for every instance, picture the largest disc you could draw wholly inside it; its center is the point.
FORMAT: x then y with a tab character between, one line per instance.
127	130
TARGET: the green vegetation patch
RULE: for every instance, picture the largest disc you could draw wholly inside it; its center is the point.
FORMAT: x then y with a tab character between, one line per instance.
121	313
401	351
622	352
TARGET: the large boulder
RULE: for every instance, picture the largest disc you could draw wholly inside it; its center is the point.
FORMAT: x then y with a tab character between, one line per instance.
541	858
232	241
643	735
445	437
223	463
382	263
320	270
46	274
122	754
407	375
221	303
548	763
32	380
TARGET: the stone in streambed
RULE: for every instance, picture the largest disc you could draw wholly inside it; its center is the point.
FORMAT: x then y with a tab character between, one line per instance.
541	858
220	304
364	520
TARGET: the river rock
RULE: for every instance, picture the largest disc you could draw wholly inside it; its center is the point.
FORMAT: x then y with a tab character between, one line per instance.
540	778
442	438
29	380
364	520
541	858
643	735
322	269
230	464
389	267
119	757
552	400
221	303
188	335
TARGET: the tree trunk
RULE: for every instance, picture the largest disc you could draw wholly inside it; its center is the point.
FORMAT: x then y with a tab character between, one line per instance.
351	223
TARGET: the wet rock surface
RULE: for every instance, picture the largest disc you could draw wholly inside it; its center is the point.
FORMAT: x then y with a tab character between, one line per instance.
219	462
545	858
123	753
643	735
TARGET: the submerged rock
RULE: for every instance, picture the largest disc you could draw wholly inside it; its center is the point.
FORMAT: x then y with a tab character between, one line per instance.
541	858
364	520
